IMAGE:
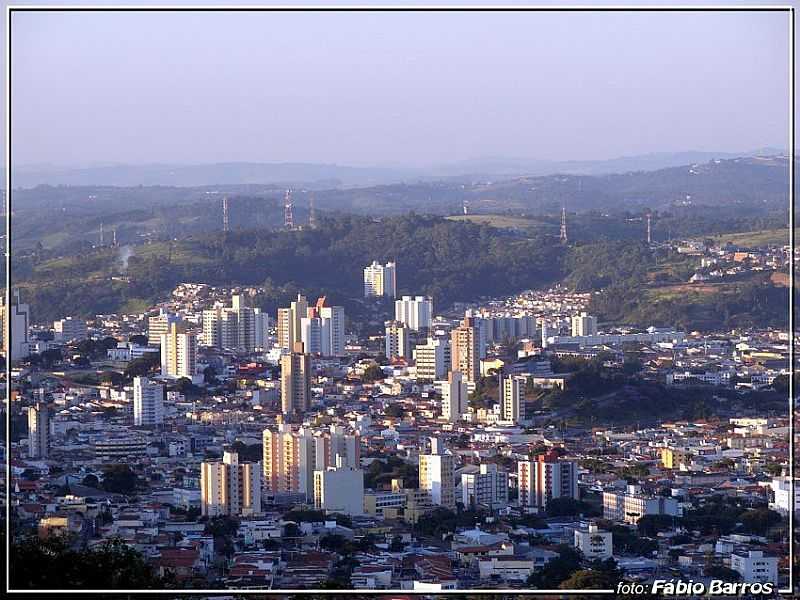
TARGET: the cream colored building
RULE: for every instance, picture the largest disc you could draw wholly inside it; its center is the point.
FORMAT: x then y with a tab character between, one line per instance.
380	280
231	488
437	475
178	352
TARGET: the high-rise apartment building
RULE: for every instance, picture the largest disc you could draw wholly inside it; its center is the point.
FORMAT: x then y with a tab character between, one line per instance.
465	350
15	340
291	457
148	402
437	475
289	323
380	280
398	340
322	329
512	388
229	487
296	381
178	352
159	325
39	430
432	359
239	327
339	490
486	488
70	329
416	312
454	397
546	478
584	324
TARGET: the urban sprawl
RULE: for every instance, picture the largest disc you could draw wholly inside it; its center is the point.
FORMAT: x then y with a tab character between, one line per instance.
233	448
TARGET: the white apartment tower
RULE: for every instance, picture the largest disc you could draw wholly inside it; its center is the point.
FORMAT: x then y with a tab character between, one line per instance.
488	487
398	340
240	328
584	324
38	430
454	397
511	391
322	329
15	339
380	280
289	322
432	358
416	312
339	489
148	402
231	488
544	479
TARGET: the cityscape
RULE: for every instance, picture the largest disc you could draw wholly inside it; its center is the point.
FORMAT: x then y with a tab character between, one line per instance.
497	380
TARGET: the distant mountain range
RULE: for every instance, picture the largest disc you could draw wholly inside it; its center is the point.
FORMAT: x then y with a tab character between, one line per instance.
327	176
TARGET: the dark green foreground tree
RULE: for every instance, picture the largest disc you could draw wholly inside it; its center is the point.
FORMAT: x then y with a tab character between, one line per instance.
52	564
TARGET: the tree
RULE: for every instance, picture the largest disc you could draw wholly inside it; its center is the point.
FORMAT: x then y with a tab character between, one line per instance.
91	481
588	579
397	544
52	564
557	569
210	376
394	410
651	525
119	479
139	340
222	526
723	573
563	507
759	520
372	373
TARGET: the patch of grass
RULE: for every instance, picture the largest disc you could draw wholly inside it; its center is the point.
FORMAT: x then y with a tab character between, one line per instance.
501	221
765	237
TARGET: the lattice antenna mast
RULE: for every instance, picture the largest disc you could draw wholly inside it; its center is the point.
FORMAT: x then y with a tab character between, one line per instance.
226	223
288	210
563	234
101	234
649	229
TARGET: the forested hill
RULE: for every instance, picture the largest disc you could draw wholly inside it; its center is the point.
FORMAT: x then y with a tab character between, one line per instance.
449	260
452	261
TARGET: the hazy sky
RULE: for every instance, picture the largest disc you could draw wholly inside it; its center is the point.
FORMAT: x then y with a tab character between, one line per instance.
393	88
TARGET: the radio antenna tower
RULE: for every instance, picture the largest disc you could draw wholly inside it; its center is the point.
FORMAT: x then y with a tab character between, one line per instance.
101	234
312	213
226	224
114	237
649	230
288	212
563	234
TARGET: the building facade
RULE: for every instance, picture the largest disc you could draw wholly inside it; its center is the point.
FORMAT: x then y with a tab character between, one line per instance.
415	312
148	402
380	280
229	487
